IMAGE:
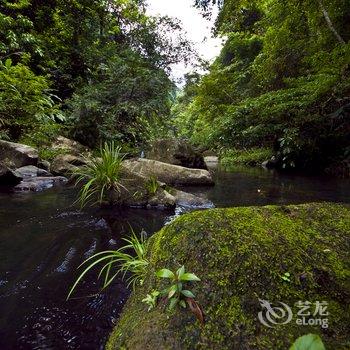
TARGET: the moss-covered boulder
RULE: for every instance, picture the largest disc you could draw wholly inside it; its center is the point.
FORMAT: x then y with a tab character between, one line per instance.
243	255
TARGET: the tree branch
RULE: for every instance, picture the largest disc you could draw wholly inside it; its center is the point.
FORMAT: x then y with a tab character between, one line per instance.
330	24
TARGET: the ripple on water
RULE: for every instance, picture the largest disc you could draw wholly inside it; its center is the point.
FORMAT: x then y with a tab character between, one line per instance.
91	250
64	265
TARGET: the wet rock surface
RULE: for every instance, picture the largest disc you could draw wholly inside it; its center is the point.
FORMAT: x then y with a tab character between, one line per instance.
9	177
168	173
18	155
177	152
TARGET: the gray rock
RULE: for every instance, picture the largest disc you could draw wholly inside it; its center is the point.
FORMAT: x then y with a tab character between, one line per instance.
168	173
38	184
69	146
32	171
176	152
212	162
66	164
162	199
185	199
44	164
9	177
209	153
17	154
133	193
270	164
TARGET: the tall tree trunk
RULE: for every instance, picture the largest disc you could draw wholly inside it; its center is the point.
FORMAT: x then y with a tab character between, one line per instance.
329	22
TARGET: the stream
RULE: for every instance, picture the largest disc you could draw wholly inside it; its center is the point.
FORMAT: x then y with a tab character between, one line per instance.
44	238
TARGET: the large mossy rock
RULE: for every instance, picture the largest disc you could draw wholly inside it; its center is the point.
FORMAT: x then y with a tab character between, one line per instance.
241	255
17	155
168	173
177	152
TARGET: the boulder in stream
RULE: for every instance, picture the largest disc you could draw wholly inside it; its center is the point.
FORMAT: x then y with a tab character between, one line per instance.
177	152
168	173
66	164
38	184
68	146
242	256
9	177
133	192
32	171
17	155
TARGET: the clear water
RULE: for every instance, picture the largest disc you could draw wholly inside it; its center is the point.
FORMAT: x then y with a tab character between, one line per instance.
43	238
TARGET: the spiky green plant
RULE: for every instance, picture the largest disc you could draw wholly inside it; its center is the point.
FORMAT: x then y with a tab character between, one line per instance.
101	175
130	261
152	185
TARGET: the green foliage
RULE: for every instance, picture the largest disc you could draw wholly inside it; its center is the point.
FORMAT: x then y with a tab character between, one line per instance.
151	299
130	259
308	342
282	81
126	94
108	62
152	185
25	100
251	156
286	277
101	175
175	293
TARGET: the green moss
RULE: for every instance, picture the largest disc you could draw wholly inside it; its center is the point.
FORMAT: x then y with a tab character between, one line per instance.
241	255
251	156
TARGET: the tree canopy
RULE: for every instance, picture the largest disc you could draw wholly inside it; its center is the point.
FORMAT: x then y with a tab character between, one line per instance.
103	63
281	81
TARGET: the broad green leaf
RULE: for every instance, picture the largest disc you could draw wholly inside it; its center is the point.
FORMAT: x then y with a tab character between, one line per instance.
180	271
187	293
165	273
189	277
308	342
172	291
173	303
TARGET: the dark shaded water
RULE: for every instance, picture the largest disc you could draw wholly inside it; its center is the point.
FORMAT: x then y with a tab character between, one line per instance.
43	239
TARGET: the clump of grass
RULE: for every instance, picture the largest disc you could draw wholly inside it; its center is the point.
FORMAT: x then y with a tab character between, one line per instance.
250	157
101	175
130	261
152	185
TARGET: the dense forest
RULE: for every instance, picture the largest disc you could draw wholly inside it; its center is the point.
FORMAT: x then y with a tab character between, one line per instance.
98	70
280	86
95	70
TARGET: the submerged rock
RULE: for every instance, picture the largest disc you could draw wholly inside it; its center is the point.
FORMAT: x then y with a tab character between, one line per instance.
38	184
177	152
168	173
9	177
18	155
185	199
243	255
